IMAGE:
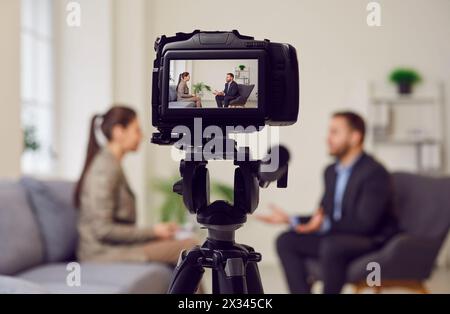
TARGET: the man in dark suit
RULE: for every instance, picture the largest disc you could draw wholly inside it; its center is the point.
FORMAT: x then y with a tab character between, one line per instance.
229	93
354	216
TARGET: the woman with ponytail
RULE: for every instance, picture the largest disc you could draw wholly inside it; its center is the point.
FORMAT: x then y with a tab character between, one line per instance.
107	223
183	90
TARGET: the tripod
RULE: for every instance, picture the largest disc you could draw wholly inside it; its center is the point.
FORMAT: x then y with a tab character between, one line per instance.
234	266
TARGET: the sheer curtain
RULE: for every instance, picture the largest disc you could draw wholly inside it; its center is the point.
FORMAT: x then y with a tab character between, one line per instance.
37	86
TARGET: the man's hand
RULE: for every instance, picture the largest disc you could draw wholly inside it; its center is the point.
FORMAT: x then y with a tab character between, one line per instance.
165	230
313	224
217	93
277	216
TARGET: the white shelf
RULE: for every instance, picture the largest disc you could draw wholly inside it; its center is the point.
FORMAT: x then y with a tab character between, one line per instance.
416	121
405	100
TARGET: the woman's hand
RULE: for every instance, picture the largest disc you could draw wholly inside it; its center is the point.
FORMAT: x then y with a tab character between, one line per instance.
165	230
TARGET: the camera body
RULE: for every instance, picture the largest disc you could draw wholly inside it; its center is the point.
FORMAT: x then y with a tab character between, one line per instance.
272	75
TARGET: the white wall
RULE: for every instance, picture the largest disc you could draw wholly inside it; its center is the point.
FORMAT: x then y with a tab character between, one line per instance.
338	54
131	85
10	131
213	73
103	62
83	79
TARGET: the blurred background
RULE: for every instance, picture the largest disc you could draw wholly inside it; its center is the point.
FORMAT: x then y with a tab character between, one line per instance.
54	76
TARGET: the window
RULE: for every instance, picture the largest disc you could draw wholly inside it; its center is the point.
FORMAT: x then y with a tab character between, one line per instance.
37	97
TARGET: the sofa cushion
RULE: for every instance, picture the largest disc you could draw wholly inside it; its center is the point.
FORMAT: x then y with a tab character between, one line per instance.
20	240
57	217
173	93
181	104
63	192
103	278
62	288
12	285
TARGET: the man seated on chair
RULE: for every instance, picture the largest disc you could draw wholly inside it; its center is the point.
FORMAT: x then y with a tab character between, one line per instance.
353	218
230	92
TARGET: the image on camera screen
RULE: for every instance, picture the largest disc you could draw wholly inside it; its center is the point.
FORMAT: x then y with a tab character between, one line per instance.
222	84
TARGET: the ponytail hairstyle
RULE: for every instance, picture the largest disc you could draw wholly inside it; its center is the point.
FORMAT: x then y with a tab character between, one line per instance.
100	133
181	76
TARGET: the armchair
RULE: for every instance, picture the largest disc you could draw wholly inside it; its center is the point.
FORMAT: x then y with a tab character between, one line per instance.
244	93
422	207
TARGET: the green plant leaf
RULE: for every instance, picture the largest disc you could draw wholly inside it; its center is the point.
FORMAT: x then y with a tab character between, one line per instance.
165	210
173	208
164	186
30	139
181	212
199	87
404	75
223	191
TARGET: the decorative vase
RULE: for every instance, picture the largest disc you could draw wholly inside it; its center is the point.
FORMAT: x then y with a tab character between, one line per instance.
404	88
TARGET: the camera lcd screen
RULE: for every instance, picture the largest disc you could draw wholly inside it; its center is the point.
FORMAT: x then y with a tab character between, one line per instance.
213	84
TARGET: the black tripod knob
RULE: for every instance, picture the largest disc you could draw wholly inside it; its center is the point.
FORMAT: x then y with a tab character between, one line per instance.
178	187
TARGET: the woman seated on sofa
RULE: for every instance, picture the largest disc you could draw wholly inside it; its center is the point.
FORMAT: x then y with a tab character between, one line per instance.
107	221
183	90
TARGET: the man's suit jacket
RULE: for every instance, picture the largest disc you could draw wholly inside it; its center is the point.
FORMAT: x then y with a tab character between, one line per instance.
232	91
367	202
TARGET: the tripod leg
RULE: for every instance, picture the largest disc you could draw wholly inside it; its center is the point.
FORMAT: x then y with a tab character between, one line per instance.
231	277
188	273
215	282
254	284
253	279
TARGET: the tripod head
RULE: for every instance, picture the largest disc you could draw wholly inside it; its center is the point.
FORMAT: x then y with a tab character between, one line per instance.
249	176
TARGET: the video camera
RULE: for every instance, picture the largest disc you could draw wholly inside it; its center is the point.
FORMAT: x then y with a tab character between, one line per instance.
266	74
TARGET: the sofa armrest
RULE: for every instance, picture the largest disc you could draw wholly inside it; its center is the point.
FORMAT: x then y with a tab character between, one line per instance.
239	101
402	257
12	285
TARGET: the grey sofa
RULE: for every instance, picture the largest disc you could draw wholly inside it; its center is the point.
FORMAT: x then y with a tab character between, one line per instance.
173	103
422	208
38	239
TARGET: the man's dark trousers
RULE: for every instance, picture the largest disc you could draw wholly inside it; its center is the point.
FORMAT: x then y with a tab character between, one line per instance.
224	101
334	252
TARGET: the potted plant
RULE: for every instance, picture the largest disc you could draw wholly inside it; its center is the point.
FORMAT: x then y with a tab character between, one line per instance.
30	141
405	79
198	88
241	67
173	208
